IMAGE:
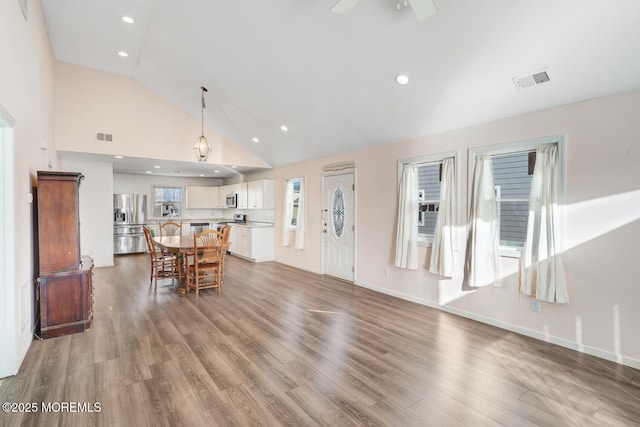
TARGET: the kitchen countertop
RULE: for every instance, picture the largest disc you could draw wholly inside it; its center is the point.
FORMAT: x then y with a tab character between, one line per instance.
249	224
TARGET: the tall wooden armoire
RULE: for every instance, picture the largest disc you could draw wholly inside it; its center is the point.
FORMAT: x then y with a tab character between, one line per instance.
64	284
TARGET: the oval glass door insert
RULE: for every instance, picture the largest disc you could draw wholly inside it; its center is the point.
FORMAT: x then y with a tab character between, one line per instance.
337	213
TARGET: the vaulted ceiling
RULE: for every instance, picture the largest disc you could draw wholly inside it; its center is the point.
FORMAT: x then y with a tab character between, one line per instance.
331	78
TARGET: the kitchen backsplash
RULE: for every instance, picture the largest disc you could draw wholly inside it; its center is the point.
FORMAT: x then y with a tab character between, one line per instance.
261	215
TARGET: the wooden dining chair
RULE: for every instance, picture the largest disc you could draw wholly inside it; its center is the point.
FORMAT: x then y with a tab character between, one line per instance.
226	233
161	265
170	228
208	260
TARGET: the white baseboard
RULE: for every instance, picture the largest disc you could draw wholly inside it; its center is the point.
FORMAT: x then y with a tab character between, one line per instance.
593	351
300	267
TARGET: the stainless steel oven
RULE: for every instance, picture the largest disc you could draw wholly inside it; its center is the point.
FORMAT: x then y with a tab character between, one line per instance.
232	200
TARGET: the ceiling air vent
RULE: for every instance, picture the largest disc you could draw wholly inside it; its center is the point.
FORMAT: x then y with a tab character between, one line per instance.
531	80
104	137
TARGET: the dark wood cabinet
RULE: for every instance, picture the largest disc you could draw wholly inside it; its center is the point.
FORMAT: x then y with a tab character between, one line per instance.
64	296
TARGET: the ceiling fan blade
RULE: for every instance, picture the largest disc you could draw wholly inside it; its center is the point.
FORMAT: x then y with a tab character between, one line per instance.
343	6
423	9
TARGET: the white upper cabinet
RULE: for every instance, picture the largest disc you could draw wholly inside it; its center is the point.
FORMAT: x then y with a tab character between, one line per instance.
250	195
260	194
200	197
241	190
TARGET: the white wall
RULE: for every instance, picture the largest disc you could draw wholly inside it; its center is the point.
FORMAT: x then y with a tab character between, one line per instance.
143	124
96	208
602	227
26	93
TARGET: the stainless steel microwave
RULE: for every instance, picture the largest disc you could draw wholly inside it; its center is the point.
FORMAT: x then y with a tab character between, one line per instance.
232	200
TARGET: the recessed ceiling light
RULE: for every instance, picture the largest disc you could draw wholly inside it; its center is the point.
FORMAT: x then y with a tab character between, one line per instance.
201	174
149	172
254	139
123	54
402	79
216	171
234	166
128	19
284	128
156	167
118	157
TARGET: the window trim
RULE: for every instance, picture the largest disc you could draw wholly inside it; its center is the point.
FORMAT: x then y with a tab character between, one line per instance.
437	158
520	146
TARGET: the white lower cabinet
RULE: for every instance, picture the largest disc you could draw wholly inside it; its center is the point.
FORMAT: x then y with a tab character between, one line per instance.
254	243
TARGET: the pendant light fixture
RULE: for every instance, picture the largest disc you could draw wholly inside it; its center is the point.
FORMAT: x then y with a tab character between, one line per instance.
202	147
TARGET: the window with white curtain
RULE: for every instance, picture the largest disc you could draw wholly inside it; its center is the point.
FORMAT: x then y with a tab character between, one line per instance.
512	173
429	178
293	209
512	165
429	184
295	203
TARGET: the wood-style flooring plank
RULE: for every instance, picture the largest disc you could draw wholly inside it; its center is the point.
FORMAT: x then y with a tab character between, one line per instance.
281	346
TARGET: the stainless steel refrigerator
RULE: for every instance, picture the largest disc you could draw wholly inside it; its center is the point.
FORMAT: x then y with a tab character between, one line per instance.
129	216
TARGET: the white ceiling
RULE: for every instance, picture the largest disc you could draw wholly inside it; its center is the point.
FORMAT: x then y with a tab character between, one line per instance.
330	78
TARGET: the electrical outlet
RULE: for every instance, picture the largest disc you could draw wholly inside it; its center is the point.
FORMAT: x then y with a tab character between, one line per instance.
535	305
386	271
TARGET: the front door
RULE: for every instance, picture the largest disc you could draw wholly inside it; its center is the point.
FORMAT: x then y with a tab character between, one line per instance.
338	225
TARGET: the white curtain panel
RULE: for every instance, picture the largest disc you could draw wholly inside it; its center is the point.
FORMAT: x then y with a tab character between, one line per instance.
481	257
288	212
441	262
407	226
300	218
542	272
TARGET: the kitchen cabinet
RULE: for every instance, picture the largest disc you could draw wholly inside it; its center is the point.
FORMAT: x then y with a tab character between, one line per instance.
186	229
222	196
241	191
243	242
155	229
253	243
233	238
64	282
201	197
260	194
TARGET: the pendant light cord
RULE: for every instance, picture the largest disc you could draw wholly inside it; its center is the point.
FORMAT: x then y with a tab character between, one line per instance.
204	89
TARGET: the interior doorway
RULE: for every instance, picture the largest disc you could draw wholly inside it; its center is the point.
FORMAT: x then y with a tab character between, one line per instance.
338	225
9	313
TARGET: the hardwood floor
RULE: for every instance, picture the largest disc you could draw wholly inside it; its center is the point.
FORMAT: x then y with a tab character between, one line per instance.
282	346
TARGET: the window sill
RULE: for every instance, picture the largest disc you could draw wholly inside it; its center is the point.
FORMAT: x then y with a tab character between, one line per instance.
510	252
425	241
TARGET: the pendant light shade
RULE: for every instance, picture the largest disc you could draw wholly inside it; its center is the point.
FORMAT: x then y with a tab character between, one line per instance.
202	147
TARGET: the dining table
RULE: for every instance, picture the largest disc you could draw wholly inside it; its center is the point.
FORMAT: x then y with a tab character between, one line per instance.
180	246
